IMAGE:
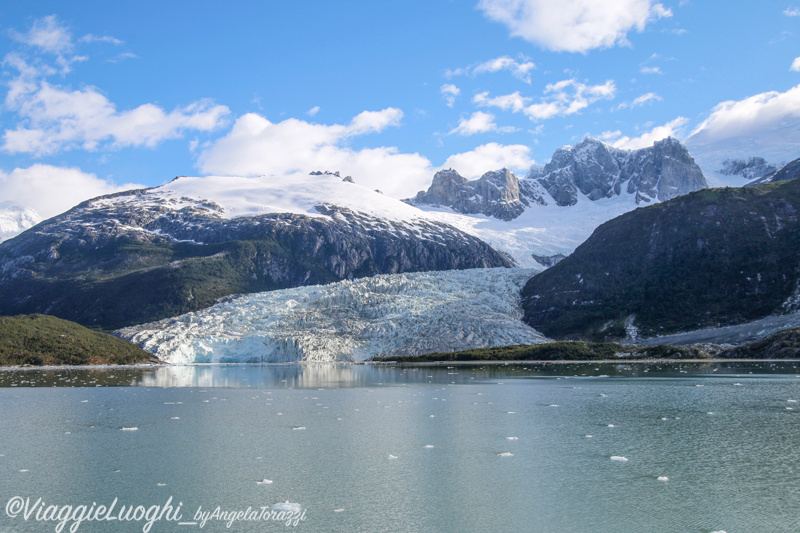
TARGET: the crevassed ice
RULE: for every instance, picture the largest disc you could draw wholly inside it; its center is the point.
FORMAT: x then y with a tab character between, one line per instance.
397	314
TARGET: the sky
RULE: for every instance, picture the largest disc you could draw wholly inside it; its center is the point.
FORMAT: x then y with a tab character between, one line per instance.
104	96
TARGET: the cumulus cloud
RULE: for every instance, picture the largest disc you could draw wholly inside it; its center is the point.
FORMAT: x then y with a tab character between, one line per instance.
256	146
51	190
792	12
673	128
449	93
795	65
491	156
313	111
52	118
520	69
765	124
573	25
565	97
479	122
55	119
650	70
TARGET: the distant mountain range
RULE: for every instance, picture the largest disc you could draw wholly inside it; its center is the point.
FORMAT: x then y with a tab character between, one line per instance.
141	255
591	169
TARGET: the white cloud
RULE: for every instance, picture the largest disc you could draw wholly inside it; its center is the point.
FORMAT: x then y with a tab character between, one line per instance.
449	93
765	124
573	25
48	34
795	65
52	118
89	38
565	97
520	69
640	101
313	111
491	156
792	12
673	128
56	119
52	190
256	146
650	70
479	122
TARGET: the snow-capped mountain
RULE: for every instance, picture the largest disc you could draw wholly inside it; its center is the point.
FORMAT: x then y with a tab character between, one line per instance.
557	206
16	218
399	314
141	255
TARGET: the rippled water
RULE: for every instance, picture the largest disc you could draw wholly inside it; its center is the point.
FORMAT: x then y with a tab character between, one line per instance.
435	448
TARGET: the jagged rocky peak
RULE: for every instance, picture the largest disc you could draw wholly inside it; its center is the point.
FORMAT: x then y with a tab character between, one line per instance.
789	171
750	169
499	194
598	170
590	169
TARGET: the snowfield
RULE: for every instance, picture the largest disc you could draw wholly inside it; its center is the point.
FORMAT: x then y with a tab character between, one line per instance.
398	314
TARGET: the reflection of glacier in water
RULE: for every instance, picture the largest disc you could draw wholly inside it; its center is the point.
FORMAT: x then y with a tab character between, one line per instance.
398	314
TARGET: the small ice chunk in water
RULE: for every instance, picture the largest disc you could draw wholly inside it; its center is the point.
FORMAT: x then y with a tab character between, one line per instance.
161	484
663	478
338	510
265	481
390	456
298	428
129	429
288	507
611	425
792	401
553	405
506	454
428	446
23	470
588	436
619	458
512	438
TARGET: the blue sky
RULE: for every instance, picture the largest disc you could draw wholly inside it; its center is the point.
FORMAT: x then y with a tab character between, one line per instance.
103	95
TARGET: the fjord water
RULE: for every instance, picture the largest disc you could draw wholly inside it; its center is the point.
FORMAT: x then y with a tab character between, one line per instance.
417	448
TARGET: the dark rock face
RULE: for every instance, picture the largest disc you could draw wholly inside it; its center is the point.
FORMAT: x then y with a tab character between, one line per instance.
660	172
715	257
592	168
498	194
789	172
750	169
111	264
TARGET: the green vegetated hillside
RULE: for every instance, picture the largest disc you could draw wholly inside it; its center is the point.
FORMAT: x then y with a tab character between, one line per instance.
559	351
782	345
712	257
47	340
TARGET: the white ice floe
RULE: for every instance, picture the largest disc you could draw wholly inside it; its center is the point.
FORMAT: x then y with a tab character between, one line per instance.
396	314
619	458
288	507
129	429
506	454
264	481
512	438
663	478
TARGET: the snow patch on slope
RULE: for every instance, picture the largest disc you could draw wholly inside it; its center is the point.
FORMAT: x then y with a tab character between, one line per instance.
398	314
540	230
234	197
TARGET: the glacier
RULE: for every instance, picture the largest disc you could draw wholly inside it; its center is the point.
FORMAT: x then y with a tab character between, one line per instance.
353	320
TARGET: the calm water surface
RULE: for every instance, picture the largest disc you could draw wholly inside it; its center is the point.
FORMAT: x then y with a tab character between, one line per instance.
452	449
